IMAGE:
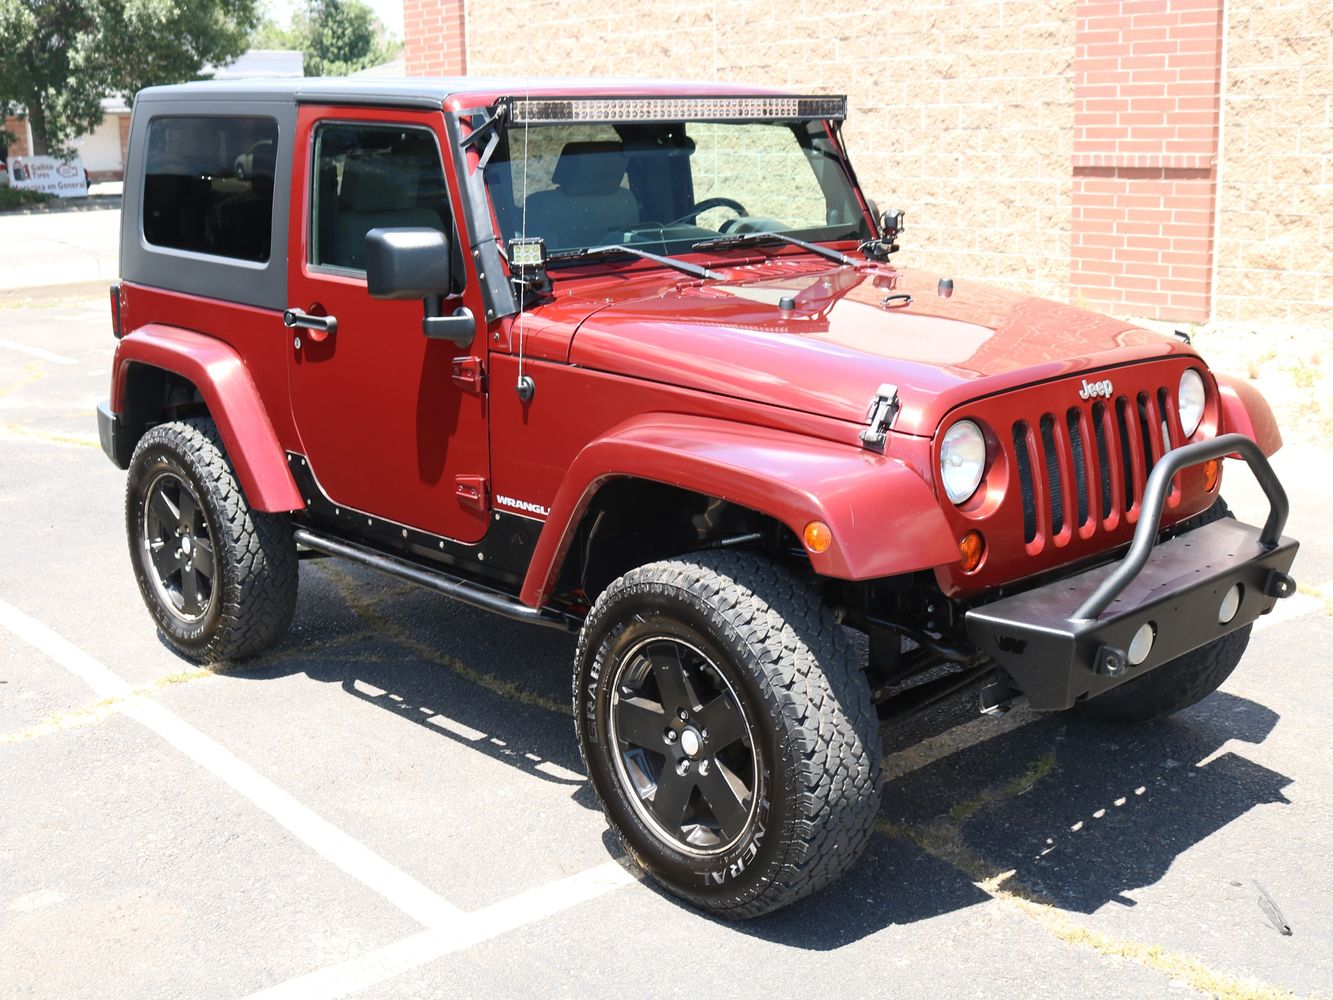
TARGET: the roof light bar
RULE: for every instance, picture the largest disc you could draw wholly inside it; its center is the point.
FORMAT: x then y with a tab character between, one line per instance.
551	111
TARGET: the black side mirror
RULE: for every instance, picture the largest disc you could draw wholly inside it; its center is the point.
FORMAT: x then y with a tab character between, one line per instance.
417	263
407	263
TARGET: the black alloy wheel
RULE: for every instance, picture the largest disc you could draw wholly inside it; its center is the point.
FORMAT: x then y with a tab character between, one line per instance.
685	749
178	543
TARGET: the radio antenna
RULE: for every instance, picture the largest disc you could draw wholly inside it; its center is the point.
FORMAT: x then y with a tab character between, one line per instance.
525	387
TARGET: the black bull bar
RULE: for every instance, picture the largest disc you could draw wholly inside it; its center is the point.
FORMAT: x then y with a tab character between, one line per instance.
1076	636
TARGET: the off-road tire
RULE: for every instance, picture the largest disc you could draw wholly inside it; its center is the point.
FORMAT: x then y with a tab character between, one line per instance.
816	734
1179	683
254	589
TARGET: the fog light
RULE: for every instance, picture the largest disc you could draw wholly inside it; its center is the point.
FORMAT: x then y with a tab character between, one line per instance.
818	537
1142	644
1230	605
1212	472
971	547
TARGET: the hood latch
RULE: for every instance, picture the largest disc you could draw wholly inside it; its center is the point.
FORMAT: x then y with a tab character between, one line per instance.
880	416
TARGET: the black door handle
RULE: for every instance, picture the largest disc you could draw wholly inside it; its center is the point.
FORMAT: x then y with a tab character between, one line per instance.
302	320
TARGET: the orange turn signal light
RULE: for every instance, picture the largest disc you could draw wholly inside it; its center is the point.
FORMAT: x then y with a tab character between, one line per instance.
1212	472
971	547
817	536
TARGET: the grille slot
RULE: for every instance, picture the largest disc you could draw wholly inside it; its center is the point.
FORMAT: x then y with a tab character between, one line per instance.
1054	487
1148	431
1073	420
1126	458
1103	456
1024	461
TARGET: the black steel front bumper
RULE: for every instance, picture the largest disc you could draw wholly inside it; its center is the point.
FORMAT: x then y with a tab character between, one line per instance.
1072	638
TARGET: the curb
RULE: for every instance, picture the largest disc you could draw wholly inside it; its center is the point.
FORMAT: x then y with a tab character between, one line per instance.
93	203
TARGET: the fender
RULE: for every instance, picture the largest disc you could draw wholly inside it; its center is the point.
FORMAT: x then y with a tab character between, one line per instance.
1245	411
884	518
233	402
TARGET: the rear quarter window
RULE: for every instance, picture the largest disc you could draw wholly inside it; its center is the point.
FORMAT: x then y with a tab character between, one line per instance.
208	185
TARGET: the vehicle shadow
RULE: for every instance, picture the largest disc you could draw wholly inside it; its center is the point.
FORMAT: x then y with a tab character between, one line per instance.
498	688
1081	813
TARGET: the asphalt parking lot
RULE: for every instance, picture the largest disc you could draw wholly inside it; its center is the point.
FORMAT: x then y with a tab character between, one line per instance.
391	804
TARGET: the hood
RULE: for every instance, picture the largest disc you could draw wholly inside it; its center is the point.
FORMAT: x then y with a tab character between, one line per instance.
822	338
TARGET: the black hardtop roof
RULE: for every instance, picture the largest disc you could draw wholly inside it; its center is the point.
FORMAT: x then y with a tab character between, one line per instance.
432	91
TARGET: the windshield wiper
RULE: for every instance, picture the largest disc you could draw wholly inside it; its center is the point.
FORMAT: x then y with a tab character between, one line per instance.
743	239
588	253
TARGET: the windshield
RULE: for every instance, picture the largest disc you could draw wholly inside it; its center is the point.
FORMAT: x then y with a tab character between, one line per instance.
663	187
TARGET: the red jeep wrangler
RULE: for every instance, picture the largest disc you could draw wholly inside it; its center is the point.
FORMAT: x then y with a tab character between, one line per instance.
631	360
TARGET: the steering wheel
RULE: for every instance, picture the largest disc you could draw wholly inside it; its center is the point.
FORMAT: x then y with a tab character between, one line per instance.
699	208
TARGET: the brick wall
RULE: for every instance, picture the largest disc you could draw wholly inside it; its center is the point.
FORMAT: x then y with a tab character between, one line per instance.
1145	146
1275	221
434	38
1068	148
18	128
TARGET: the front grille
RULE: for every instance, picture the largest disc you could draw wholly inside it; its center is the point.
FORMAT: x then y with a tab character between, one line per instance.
1084	470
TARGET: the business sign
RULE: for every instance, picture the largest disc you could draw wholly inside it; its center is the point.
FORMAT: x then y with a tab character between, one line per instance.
64	178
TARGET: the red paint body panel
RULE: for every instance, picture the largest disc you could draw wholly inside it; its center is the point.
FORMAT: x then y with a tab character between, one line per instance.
883	518
1245	411
256	335
233	401
831	352
384	426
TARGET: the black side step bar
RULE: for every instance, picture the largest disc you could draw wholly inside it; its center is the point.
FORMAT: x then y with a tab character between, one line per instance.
450	586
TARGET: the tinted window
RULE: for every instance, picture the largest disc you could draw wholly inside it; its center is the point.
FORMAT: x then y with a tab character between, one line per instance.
209	185
368	177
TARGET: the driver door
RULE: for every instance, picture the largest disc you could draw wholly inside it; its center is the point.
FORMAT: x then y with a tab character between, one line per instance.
385	429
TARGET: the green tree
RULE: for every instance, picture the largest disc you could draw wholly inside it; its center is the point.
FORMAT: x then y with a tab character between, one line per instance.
61	57
344	37
337	37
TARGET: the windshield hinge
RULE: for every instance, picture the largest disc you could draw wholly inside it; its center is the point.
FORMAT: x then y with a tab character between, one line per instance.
882	412
469	374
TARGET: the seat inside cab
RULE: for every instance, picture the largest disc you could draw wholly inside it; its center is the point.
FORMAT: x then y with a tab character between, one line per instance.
589	199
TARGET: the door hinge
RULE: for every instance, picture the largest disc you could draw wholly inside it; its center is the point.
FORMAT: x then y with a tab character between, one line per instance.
469	374
471	490
880	416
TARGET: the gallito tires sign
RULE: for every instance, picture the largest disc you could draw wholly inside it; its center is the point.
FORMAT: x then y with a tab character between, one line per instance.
64	178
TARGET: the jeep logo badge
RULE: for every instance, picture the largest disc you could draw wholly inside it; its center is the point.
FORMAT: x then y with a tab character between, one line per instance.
1091	390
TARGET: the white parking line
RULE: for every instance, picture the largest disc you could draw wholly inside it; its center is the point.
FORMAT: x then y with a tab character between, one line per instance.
412	952
324	838
37	352
449	928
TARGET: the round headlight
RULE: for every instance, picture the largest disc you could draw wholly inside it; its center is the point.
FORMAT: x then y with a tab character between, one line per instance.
962	460
1190	400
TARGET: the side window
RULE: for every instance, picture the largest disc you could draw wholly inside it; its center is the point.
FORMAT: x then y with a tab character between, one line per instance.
208	185
372	176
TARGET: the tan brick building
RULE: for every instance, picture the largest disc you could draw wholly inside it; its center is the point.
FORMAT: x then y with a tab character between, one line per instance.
1162	158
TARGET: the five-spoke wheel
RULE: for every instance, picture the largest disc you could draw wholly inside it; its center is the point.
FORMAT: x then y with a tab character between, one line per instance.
686	750
178	542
